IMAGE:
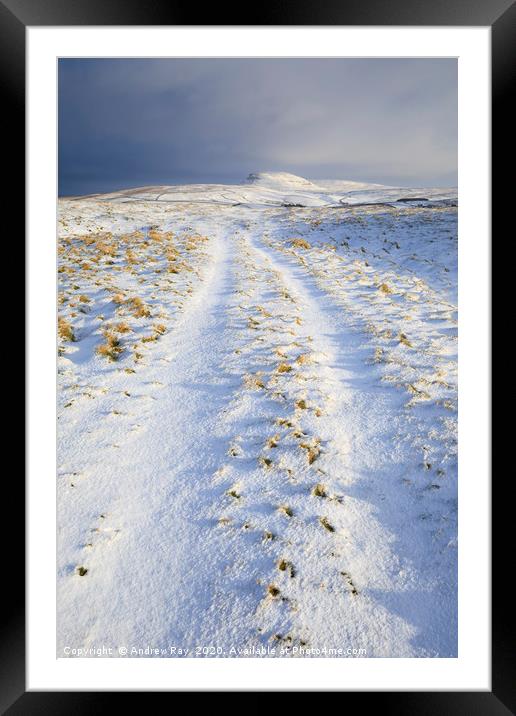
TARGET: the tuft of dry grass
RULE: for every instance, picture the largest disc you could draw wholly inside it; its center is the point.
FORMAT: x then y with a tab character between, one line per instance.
284	368
385	288
155	235
403	339
326	524
111	348
286	566
106	249
312	454
253	381
303	359
171	254
348	579
301	404
138	308
286	510
265	313
65	330
300	243
122	327
130	257
84	299
319	490
273	591
284	422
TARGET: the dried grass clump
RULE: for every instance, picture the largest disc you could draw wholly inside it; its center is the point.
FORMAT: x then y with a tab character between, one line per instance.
312	451
106	249
300	243
284	368
348	579
327	526
416	391
301	404
384	288
130	257
192	241
312	454
265	313
403	339
155	235
111	348
319	490
253	382
286	510
138	308
284	422
65	330
286	566
122	327
171	254
160	328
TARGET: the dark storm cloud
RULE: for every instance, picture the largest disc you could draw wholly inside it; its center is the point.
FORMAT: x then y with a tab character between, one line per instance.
135	122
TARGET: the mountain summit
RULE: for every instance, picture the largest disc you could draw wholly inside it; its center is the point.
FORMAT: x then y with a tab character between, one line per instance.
278	180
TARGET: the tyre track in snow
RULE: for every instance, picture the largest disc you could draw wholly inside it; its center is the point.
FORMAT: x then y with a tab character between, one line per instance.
398	557
155	586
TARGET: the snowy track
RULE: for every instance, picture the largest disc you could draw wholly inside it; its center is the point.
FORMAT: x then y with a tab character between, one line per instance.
255	480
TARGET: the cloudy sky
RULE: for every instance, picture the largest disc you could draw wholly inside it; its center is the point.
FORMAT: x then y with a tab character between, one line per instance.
169	121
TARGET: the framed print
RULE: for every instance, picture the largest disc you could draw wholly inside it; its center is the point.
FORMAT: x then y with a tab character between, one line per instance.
259	353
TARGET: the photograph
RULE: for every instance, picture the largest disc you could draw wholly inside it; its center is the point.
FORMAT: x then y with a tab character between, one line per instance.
257	351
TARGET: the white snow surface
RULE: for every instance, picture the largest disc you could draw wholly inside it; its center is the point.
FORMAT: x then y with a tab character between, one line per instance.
266	462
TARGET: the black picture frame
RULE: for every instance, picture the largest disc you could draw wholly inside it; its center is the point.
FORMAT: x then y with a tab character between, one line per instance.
500	15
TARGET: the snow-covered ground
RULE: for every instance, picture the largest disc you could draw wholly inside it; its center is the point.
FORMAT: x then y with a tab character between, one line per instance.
257	420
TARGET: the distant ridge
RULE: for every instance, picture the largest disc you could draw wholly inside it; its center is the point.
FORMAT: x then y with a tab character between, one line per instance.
283	189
